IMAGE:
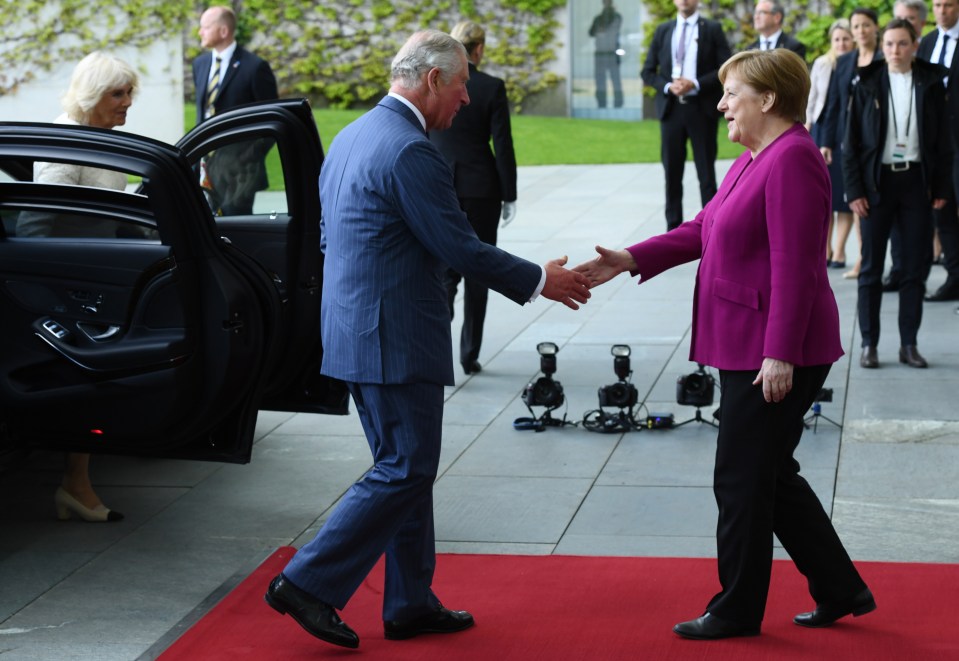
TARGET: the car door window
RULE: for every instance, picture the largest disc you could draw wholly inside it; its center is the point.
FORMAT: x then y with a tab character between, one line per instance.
54	202
244	177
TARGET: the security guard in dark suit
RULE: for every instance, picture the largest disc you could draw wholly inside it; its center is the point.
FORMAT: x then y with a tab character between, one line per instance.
485	180
682	65
225	76
939	47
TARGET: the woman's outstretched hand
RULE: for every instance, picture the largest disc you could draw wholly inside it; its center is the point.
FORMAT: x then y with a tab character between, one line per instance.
606	266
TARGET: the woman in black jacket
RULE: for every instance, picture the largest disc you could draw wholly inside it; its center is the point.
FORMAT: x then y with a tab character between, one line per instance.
896	169
864	26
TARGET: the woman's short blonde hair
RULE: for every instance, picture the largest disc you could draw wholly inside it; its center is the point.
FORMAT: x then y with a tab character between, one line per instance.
94	76
469	34
779	71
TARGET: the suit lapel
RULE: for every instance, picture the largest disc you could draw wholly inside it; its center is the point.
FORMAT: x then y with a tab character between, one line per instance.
203	73
231	70
701	46
884	102
668	48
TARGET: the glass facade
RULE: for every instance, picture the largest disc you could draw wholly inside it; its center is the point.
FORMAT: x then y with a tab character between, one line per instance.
605	52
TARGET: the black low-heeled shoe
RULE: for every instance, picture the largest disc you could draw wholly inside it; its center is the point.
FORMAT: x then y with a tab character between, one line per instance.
869	359
827	614
442	620
710	627
909	355
316	617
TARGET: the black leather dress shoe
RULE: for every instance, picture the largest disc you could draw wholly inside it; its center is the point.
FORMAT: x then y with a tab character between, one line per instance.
869	358
442	620
826	614
710	627
472	367
910	355
318	618
891	282
948	292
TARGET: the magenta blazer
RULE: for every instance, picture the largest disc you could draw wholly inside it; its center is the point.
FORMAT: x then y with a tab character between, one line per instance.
761	288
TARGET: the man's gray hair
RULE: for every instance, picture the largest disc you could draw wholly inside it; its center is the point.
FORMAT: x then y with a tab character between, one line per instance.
918	5
424	51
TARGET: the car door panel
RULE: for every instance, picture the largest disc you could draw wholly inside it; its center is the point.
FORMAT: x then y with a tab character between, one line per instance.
150	347
282	235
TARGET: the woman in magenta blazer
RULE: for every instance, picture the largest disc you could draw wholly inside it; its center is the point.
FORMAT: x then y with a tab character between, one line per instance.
765	316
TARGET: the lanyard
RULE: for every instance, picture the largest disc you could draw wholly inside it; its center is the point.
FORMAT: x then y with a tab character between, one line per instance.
892	106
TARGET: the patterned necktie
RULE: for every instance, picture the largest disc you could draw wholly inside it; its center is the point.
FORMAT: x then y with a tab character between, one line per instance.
213	89
942	52
681	47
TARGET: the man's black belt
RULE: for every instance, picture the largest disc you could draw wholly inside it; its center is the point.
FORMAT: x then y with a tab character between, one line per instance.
900	167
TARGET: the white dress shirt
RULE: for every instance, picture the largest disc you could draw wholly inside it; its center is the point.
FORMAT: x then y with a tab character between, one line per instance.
687	67
902	124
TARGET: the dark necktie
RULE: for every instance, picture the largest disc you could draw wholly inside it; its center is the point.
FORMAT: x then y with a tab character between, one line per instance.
767	44
213	89
942	51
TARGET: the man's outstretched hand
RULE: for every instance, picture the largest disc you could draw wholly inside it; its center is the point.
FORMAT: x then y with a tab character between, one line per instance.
565	286
606	266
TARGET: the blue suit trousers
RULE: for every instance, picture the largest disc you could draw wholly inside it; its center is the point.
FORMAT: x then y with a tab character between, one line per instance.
389	510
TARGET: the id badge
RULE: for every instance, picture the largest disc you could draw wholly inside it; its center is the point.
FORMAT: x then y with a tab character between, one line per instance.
899	151
677	71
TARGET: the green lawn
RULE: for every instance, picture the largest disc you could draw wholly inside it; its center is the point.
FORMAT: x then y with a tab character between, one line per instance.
558	140
541	140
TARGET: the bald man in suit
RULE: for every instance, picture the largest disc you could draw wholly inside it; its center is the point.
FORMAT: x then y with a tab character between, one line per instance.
227	75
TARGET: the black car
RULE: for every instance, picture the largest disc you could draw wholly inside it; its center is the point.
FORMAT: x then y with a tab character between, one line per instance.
167	338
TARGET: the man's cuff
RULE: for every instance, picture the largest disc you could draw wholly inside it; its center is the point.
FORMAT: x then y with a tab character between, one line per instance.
539	287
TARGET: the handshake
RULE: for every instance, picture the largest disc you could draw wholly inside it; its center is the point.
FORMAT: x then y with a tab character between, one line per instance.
570	287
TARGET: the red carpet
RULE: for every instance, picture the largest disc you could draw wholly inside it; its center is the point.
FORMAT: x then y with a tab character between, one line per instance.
559	607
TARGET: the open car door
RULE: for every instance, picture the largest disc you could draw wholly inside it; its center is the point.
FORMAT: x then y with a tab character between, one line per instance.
259	166
150	336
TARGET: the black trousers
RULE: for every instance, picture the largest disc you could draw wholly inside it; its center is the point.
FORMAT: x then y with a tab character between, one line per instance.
904	203
759	492
483	214
946	221
698	124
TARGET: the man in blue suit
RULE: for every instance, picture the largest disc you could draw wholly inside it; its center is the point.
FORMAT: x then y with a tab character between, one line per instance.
391	224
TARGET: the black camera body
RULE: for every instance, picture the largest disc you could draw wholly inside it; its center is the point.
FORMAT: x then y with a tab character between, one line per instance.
824	395
620	394
695	389
544	391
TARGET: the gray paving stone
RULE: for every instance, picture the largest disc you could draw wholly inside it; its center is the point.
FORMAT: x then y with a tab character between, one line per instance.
889	475
505	509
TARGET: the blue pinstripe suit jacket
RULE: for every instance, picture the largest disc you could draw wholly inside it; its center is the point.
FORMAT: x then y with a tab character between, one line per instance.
391	224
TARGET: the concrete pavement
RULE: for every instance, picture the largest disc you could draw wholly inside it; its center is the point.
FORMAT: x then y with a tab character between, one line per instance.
889	476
